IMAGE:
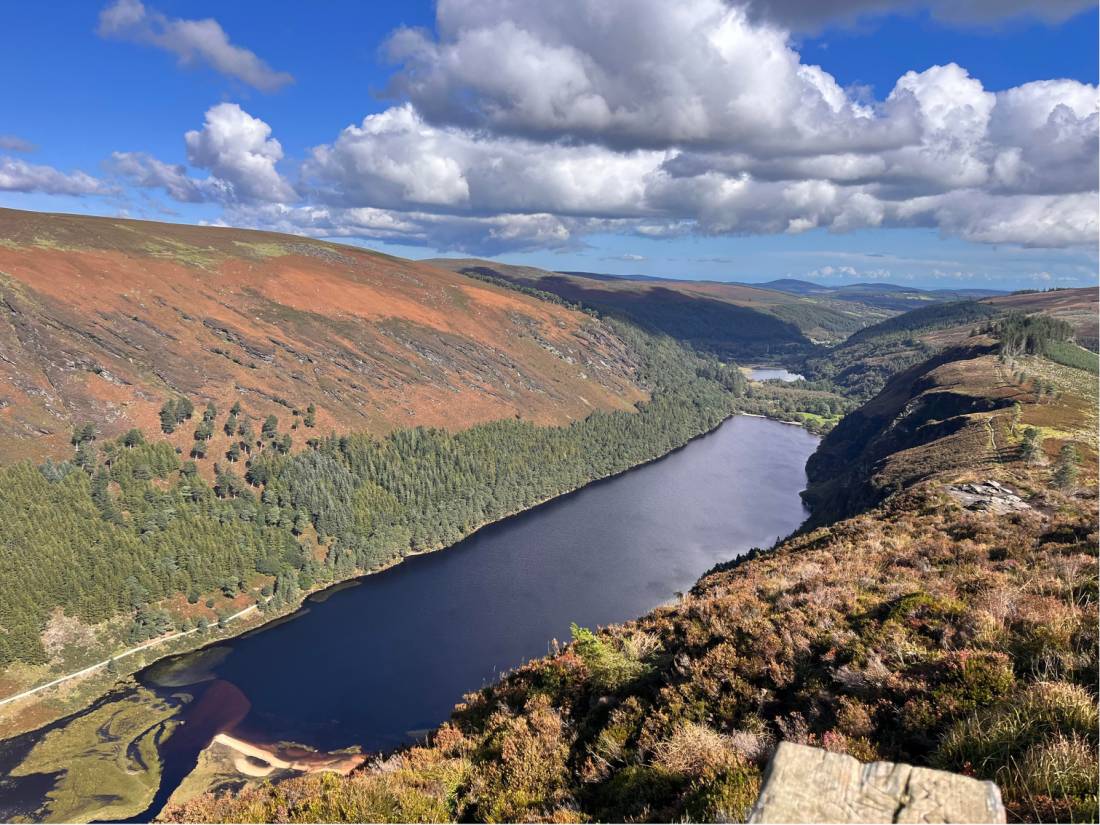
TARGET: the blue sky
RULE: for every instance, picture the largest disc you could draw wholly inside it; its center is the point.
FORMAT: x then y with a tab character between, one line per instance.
470	155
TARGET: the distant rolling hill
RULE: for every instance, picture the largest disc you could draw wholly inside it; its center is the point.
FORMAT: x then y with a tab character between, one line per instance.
732	320
102	320
885	296
861	365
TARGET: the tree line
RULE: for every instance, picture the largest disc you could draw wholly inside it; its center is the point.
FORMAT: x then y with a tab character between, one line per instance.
128	522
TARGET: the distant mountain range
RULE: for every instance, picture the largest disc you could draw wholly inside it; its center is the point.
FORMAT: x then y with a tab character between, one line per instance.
887	296
894	297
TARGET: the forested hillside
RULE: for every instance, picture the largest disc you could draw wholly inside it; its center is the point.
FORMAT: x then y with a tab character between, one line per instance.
950	622
127	523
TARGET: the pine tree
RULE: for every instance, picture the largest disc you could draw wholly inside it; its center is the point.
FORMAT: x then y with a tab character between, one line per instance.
1031	448
270	427
184	410
168	417
1065	471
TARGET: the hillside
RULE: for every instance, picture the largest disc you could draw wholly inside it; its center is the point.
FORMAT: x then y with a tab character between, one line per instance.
950	621
883	295
860	366
732	320
102	320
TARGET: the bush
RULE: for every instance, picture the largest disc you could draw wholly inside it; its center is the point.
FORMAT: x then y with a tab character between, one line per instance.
727	797
609	668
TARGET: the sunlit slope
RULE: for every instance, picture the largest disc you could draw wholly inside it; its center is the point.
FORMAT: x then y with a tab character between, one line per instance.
735	320
861	365
103	319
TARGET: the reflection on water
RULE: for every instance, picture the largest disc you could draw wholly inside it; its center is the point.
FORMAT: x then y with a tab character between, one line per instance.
773	374
186	670
383	662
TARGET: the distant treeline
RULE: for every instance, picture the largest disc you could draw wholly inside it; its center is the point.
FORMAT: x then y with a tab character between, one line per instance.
129	522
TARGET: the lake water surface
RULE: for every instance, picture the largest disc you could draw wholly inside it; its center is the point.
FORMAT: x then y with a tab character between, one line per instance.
379	663
772	374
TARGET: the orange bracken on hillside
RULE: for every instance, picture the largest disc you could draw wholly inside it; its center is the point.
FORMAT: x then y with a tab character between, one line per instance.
104	319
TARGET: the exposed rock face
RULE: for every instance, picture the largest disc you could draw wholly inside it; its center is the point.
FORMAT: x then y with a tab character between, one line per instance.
804	784
987	495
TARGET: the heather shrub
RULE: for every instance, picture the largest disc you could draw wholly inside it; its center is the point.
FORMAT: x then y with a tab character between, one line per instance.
610	667
521	770
727	797
610	746
637	792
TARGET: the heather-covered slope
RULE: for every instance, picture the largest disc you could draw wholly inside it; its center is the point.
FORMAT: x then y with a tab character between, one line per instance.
734	320
938	627
102	320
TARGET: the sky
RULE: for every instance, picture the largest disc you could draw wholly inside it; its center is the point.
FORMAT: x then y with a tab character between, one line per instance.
935	143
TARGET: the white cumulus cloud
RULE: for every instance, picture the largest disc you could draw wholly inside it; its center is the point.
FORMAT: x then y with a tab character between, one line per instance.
17	175
535	123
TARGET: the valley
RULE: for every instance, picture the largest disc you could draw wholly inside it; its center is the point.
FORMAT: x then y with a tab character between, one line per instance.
186	507
910	621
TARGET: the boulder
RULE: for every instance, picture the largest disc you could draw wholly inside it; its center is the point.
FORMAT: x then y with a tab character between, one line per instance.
804	784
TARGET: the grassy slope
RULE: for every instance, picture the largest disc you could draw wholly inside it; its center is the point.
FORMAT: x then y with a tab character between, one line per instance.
731	319
103	319
916	630
860	365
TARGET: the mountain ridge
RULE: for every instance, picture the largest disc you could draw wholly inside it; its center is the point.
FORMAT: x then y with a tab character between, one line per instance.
104	319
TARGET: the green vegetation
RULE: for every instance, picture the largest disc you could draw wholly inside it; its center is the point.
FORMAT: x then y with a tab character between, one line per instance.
936	316
107	760
1071	355
860	367
1041	744
1021	334
127	525
810	403
1065	471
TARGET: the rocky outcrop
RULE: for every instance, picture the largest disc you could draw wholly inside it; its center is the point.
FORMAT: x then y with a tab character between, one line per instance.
987	495
804	784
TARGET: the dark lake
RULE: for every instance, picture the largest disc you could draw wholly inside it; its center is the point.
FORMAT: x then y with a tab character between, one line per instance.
378	663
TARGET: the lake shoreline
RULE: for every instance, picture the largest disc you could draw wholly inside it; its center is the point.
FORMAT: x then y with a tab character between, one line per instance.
251	625
509	562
